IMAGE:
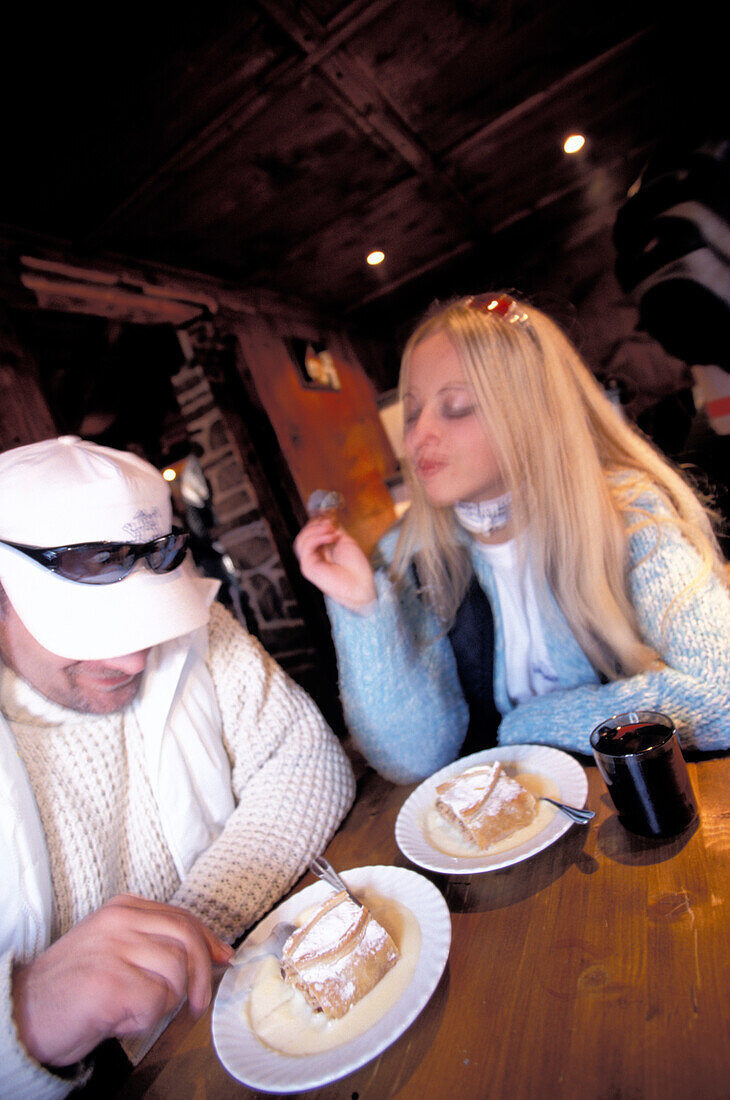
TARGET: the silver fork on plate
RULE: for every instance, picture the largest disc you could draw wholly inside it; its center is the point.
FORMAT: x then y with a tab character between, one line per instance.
252	953
247	960
323	869
271	945
580	817
280	933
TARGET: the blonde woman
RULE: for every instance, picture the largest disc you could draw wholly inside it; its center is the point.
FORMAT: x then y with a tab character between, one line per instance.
551	570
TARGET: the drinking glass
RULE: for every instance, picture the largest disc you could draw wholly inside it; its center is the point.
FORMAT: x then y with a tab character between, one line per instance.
639	757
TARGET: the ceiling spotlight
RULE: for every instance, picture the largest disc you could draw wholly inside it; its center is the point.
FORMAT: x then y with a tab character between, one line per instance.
169	474
375	258
573	143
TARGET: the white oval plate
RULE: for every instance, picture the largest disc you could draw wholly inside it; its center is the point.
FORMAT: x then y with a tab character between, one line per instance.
249	1061
565	772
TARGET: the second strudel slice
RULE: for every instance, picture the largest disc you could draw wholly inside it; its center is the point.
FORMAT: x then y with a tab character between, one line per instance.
485	804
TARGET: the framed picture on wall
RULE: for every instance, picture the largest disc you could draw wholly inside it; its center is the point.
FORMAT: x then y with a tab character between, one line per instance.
315	365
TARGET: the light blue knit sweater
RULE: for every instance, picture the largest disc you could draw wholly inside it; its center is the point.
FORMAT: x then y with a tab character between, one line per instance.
403	703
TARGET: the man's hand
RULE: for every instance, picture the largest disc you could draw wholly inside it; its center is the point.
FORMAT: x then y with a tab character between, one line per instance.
117	972
331	559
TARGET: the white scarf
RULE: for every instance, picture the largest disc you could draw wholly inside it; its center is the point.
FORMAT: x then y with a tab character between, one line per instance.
188	769
484	517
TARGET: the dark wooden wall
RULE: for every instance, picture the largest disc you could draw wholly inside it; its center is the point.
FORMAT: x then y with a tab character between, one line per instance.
24	413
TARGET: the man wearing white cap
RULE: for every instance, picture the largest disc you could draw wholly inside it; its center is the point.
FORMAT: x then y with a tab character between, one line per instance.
162	782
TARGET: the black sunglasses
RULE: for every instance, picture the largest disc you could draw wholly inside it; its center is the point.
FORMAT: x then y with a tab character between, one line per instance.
107	562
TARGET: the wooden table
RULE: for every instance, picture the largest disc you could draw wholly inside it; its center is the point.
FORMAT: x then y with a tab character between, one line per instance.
599	968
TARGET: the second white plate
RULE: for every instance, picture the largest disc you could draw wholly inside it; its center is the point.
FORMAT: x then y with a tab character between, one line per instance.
565	772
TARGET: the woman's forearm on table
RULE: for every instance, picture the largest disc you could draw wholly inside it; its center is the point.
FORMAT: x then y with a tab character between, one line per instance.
690	630
402	700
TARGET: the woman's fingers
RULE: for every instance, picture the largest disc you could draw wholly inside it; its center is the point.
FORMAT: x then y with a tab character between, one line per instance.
333	561
315	535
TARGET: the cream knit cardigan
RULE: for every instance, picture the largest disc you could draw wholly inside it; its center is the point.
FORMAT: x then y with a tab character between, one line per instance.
243	814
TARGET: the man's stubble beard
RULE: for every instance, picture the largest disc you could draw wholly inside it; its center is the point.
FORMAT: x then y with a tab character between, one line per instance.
94	699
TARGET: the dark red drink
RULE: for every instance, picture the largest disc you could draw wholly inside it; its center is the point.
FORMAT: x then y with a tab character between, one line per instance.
639	757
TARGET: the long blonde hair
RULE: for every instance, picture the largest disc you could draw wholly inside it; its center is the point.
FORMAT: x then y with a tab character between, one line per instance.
559	440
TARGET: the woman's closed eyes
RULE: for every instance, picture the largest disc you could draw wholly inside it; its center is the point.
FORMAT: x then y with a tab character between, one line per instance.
451	406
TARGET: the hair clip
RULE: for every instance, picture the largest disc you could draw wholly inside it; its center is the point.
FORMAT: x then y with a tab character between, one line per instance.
501	304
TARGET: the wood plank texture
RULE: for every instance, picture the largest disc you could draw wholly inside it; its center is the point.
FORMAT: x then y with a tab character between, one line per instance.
598	968
274	144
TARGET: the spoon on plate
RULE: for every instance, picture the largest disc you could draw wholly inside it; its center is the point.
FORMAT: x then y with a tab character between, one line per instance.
580	817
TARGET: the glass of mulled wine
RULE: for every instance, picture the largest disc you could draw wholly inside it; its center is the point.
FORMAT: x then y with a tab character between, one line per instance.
639	757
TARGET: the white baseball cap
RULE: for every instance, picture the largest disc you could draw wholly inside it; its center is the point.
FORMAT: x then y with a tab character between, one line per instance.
66	491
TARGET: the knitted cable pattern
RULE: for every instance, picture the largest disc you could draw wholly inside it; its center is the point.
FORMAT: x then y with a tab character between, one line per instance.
100	819
292	783
291	780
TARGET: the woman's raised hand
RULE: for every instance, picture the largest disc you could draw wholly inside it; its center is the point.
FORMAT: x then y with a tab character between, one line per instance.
332	560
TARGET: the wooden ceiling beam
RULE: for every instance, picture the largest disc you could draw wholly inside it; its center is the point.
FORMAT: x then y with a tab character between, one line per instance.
354	90
363	101
23	253
352	87
589	225
280	77
581	75
202	144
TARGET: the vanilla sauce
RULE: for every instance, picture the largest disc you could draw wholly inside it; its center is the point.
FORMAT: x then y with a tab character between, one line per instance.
447	838
280	1017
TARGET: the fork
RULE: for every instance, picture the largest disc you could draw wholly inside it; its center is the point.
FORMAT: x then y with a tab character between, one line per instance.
272	945
247	960
323	869
580	817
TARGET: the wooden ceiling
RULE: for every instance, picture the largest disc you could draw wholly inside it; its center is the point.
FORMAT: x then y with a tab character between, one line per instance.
273	144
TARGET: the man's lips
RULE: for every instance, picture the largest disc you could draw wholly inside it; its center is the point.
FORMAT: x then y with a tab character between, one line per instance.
108	679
